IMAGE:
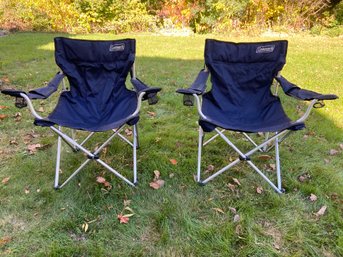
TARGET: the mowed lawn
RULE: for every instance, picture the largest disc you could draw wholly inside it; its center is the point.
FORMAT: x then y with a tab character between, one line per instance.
237	214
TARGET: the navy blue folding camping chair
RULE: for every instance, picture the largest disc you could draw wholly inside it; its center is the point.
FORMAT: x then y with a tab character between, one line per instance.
241	100
97	99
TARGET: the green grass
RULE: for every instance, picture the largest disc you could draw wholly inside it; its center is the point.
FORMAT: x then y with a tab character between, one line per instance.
179	219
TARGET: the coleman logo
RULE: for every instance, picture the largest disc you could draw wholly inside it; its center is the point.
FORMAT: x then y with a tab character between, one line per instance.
265	49
117	47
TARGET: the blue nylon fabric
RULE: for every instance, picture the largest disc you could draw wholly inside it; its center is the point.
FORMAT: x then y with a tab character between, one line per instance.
98	99
240	98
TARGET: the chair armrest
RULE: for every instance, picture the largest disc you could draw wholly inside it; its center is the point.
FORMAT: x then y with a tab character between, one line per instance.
45	92
198	87
150	92
292	90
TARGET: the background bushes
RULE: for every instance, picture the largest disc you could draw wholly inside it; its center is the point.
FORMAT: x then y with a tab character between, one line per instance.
202	16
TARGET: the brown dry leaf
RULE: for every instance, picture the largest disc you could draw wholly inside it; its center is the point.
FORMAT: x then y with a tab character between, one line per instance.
236	218
312	198
341	146
13	142
85	227
236	181
5	240
41	109
33	148
321	211
233	210
231	186
5	180
27	190
157	184
173	161
264	157
128	132
259	190
152	114
157	174
17	116
218	210
127	202
3	116
210	168
122	218
100	180
238	229
171	175
304	177
333	152
272	166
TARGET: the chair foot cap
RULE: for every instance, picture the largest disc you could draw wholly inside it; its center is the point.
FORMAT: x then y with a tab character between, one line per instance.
200	183
136	183
57	188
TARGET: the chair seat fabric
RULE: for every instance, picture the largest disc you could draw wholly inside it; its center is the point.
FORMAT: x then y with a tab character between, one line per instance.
93	115
270	118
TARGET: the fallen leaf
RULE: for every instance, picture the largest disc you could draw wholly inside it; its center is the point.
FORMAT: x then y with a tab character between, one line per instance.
13	142
27	190
173	161
276	246
333	152
100	180
3	107
41	109
3	116
33	148
85	226
5	180
231	186
313	198
128	132
171	175
5	240
341	146
259	190
264	157
236	218
122	218
152	114
236	181
233	210
272	166
304	177
157	174
157	184
321	211
17	116
127	202
238	229
218	210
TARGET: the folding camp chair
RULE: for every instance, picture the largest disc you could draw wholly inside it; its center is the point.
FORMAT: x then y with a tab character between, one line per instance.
241	99
97	101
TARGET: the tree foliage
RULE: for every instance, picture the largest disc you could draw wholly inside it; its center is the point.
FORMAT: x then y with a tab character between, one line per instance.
202	16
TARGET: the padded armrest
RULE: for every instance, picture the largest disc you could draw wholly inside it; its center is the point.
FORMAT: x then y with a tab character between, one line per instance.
150	92
294	91
198	86
13	92
45	92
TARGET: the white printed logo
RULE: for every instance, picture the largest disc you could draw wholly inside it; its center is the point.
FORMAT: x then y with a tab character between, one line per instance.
117	47
265	49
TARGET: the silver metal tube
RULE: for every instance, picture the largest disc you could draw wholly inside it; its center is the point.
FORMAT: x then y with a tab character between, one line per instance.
124	139
308	111
58	160
115	172
75	173
134	146
198	101
251	140
30	105
230	143
212	138
278	167
201	136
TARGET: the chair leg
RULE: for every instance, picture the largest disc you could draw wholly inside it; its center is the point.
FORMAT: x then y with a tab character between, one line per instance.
135	146
58	161
278	166
200	144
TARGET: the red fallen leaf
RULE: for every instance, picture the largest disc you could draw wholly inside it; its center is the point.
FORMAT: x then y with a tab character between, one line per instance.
259	190
3	116
157	184
236	181
313	198
321	211
123	219
5	240
3	107
173	161
333	152
5	180
218	210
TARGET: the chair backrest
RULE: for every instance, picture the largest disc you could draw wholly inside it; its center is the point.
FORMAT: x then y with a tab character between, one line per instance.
242	73
95	68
